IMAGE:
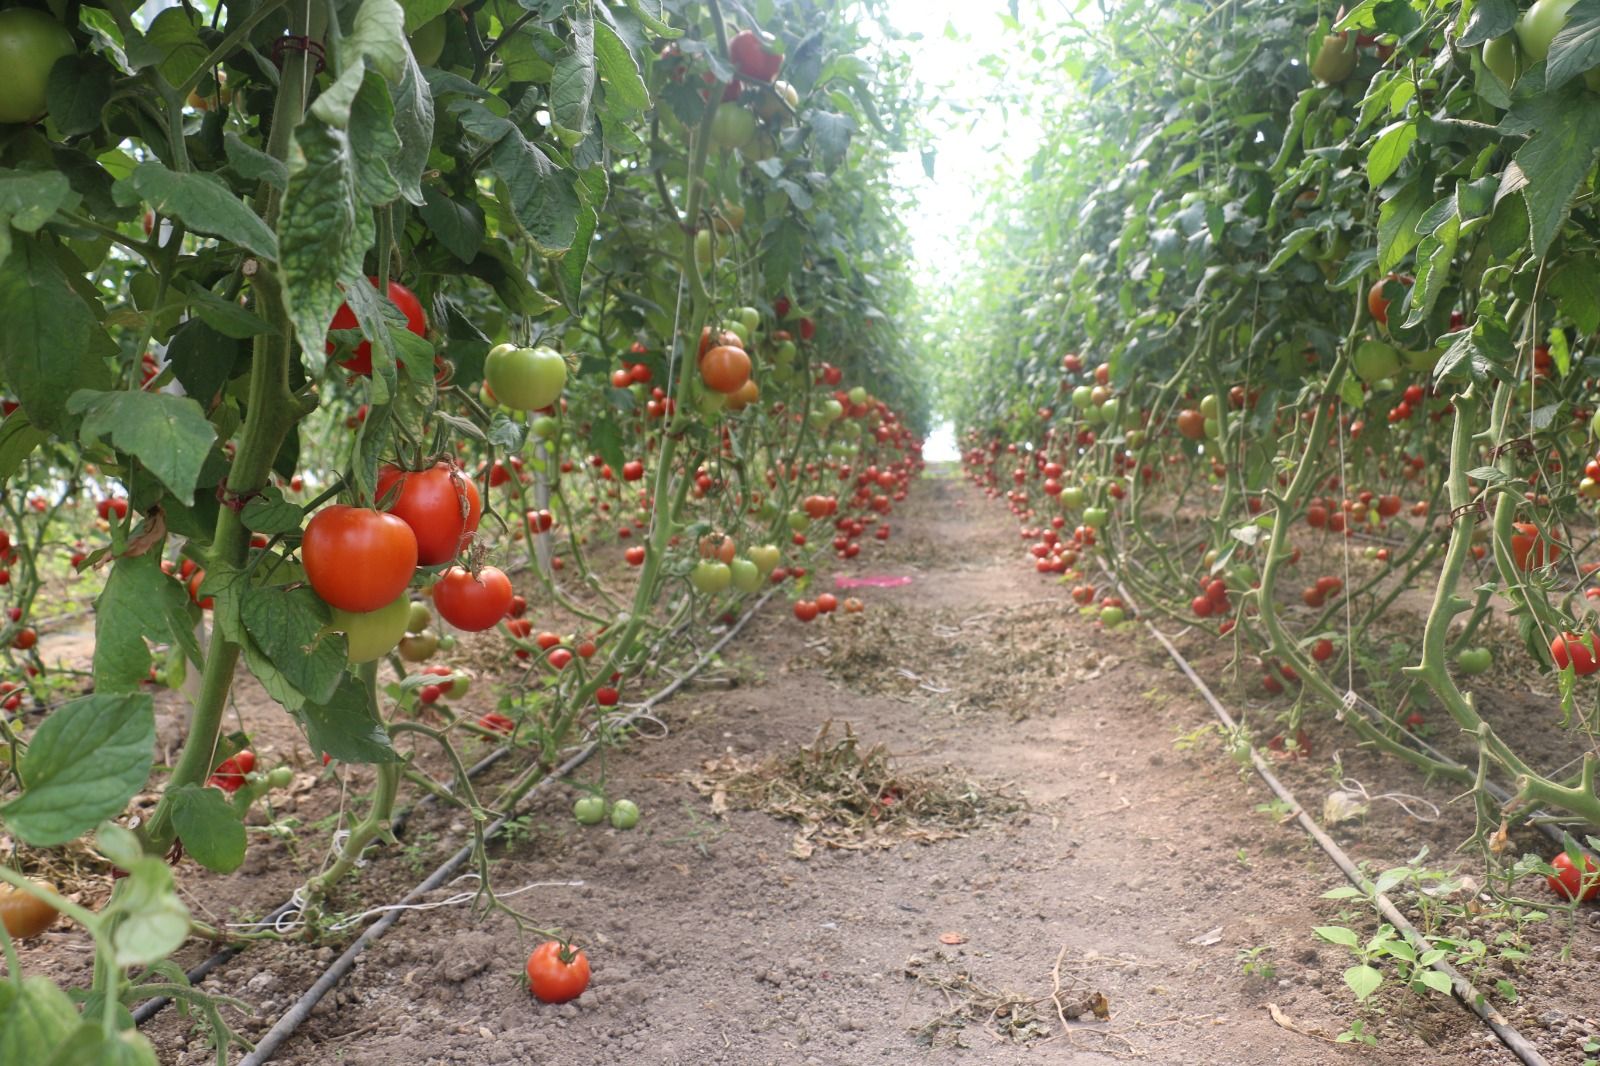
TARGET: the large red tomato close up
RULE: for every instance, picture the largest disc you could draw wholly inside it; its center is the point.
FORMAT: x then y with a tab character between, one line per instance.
403	298
473	604
440	504
358	559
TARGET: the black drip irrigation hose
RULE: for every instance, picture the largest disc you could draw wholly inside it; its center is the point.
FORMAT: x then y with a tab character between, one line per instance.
291	1019
1464	990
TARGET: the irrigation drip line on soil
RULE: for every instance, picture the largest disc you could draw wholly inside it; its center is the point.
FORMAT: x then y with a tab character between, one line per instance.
297	1013
1538	818
1464	990
151	1007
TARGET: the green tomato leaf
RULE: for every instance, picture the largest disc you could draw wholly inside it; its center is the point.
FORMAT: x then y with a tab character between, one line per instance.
200	201
138	603
1575	284
18	440
625	88
458	224
1489	19
209	827
270	513
572	263
373	141
172	45
83	764
49	339
285	626
252	163
379	38
413	124
1337	934
168	434
1556	160
324	231
572	84
151	922
35	1017
88	1045
543	198
203	357
344	727
78	89
1390	150
1576	47
1397	222
225	316
28	199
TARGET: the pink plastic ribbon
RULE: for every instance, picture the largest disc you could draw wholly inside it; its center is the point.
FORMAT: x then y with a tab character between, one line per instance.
842	582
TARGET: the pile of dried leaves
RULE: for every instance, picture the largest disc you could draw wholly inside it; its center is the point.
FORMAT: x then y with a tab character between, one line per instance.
844	795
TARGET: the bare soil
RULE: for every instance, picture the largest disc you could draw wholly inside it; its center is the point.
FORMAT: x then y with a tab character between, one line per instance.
1101	906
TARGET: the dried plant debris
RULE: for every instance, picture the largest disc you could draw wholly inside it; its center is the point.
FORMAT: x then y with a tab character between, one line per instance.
846	795
1002	1015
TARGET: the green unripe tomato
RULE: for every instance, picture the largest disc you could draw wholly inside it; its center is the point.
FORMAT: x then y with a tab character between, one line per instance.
1594	424
1083	397
1072	497
427	44
738	329
420	618
546	428
746	576
858	396
419	647
733	126
624	814
833	410
280	777
1474	661
1375	360
31	42
372	634
704	250
1504	58
766	557
1095	517
799	521
589	810
525	379
1212	428
1208	405
1112	616
1136	438
710	577
1336	59
751	318
447	642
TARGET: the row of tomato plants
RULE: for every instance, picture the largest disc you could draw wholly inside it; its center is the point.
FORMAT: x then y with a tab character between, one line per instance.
1285	276
355	313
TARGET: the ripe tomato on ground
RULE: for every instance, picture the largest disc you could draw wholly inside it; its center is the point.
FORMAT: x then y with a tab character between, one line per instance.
557	972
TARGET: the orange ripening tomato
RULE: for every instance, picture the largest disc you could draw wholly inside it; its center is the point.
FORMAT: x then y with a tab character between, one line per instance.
725	369
1530	549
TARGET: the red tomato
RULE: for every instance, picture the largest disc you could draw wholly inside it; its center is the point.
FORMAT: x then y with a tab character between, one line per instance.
358	559
441	506
1567	882
1377	303
1530	549
22	914
805	610
473	604
496	722
751	58
557	973
344	318
1581	652
229	774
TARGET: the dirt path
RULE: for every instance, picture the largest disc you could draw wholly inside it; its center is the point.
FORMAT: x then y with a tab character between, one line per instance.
1139	871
